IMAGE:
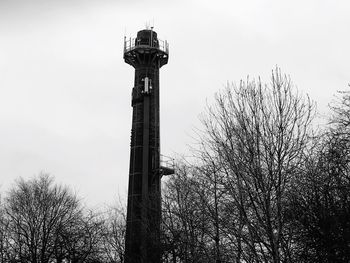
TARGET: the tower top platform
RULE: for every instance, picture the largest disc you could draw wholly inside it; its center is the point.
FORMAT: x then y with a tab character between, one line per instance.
146	43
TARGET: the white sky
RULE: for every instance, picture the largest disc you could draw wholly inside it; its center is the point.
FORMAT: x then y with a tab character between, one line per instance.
65	89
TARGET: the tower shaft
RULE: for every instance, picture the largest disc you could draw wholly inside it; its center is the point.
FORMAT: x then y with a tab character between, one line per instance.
142	241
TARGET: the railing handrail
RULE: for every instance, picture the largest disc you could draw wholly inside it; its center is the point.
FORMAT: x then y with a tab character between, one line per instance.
132	43
167	160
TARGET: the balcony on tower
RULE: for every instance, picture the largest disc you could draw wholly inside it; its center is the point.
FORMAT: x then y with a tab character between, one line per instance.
167	165
146	48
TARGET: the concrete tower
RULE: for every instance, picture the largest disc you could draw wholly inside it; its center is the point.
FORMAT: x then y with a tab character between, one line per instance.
147	54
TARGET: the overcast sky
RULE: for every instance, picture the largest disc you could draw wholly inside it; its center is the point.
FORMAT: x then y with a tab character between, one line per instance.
65	89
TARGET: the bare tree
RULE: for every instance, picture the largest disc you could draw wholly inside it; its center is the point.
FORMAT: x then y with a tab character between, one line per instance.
185	227
212	199
37	210
319	207
113	241
81	240
3	235
258	134
341	111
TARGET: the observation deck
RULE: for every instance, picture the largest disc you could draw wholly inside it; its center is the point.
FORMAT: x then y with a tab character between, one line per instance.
146	48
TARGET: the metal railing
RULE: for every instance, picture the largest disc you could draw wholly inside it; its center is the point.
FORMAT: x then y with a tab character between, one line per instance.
167	161
133	43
